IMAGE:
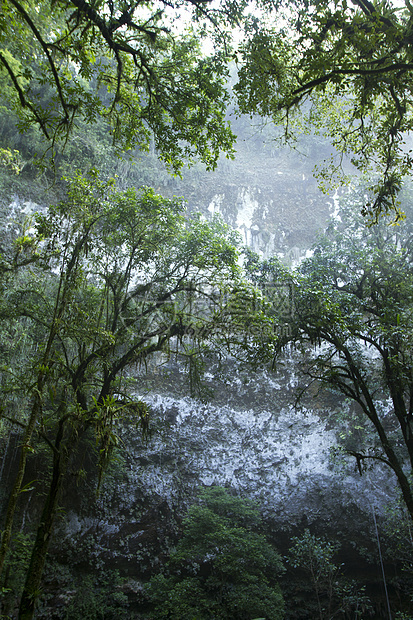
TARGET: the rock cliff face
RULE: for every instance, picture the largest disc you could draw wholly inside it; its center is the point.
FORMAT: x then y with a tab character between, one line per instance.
249	437
270	197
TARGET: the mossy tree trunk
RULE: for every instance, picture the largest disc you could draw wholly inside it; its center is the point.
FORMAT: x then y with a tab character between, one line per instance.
62	451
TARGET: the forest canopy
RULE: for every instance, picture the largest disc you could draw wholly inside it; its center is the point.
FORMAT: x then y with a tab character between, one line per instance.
344	70
341	69
127	62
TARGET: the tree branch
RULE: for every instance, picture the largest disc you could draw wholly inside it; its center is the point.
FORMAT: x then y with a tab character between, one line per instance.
308	87
45	48
23	101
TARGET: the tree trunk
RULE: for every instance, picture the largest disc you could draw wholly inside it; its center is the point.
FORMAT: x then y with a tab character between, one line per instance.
30	428
34	574
11	507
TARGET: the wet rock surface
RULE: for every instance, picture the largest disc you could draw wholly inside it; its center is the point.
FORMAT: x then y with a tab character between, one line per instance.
249	438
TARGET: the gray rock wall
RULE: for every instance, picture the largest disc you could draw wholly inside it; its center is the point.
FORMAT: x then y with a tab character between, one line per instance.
250	438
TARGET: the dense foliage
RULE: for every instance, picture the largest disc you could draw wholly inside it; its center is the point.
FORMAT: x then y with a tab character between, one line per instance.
130	63
343	69
222	567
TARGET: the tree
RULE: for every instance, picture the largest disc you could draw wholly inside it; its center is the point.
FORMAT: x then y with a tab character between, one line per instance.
350	310
139	66
102	281
333	593
221	567
347	67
